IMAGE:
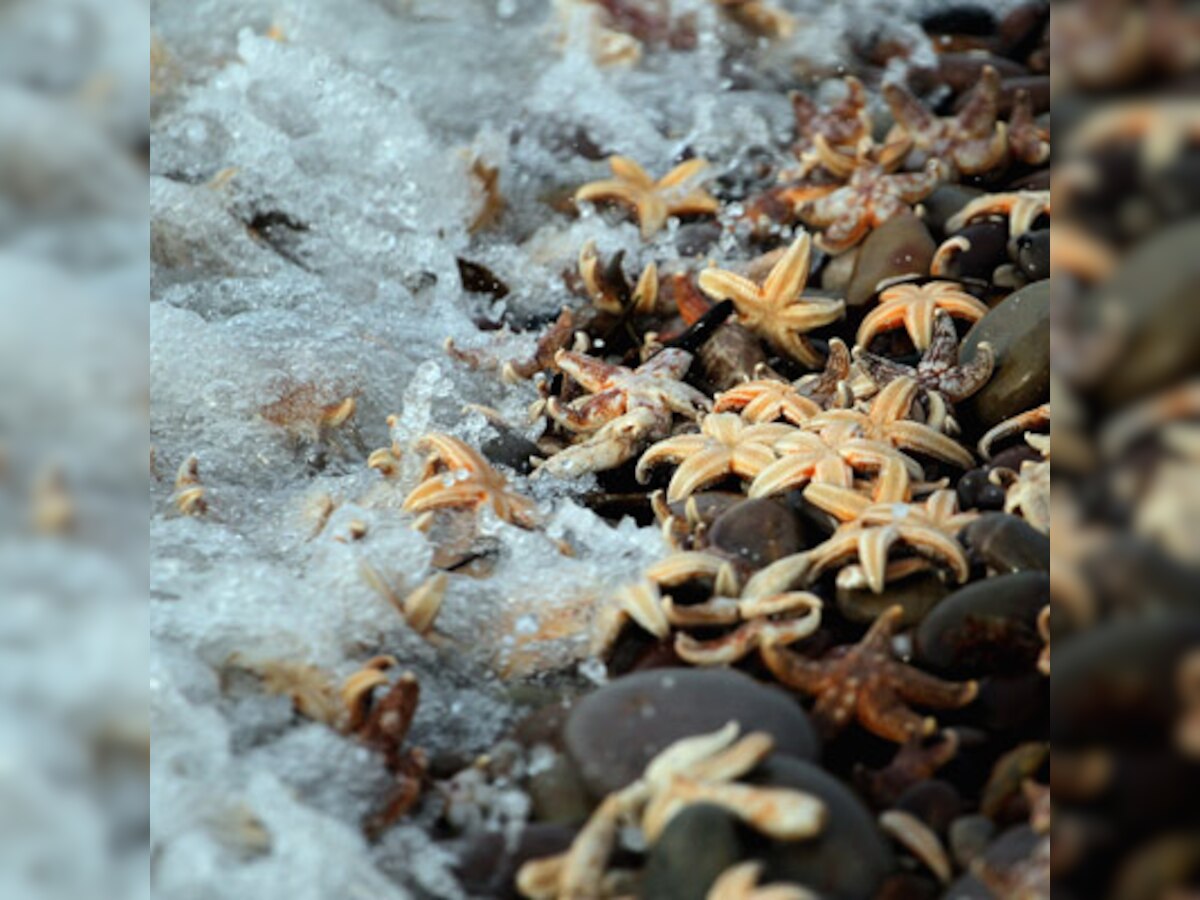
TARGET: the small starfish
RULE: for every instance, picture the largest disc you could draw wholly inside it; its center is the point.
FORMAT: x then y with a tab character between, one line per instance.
609	289
655	385
1020	208
830	387
740	882
871	197
809	457
973	141
887	422
842	124
868	531
455	475
767	400
652	201
866	682
1028	141
776	310
725	446
915	762
914	307
942	379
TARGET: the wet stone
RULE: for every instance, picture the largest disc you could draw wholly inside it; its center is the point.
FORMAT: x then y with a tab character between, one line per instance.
757	532
976	490
935	802
558	794
1033	254
613	733
900	248
693	850
986	628
917	594
1019	331
968	837
986	251
695	238
945	202
849	859
487	866
1007	543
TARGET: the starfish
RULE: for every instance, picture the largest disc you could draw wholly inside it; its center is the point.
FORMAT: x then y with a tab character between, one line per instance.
609	289
725	446
740	882
869	530
942	379
776	310
973	141
809	457
829	387
871	197
866	682
456	475
887	422
767	400
841	124
656	385
1028	141
914	307
652	201
1020	208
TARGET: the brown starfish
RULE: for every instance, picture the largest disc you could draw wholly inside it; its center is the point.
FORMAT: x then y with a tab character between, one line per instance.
865	681
384	730
914	762
973	141
943	380
870	198
830	387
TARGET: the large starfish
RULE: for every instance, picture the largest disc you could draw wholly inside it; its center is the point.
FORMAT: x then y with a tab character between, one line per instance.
456	475
915	306
871	197
806	456
942	379
973	141
866	682
767	400
776	309
726	445
652	201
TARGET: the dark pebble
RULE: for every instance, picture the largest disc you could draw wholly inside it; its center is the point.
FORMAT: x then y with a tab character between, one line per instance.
987	251
613	733
1033	254
851	857
757	532
902	247
1019	331
693	850
487	867
945	202
695	238
1007	543
935	802
986	628
917	594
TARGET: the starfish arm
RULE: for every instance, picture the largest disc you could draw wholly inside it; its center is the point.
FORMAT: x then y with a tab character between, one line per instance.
436	494
720	285
781	476
790	274
942	352
763	408
884	316
750	458
514	508
812	313
836	707
610	190
626	169
652	214
964	380
832	470
883	714
923	439
452	453
908	111
684	399
714	611
683	173
878	638
894	402
594	374
918	322
821	212
962	305
874	544
931	543
912	187
977	118
694	203
797	672
920	687
671	363
671	450
797	408
843	503
794	344
846	231
698	471
880	369
588	413
721	651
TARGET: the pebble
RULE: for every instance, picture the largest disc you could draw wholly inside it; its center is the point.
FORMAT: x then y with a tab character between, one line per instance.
945	201
987	251
851	857
1019	331
917	594
487	867
694	849
1007	543
558	794
986	628
1033	254
902	247
613	733
757	532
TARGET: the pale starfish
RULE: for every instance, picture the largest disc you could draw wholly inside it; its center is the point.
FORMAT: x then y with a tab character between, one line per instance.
776	310
767	400
725	446
868	532
609	289
973	141
809	457
1019	208
871	197
652	201
866	682
740	882
456	475
887	422
914	306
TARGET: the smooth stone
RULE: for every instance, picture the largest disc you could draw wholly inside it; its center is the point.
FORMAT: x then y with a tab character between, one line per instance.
969	837
976	490
693	850
1008	543
1013	702
1019	331
730	356
945	201
487	867
695	238
1153	293
558	793
836	274
849	859
961	18
935	802
917	594
987	250
757	532
614	732
961	71
1033	254
986	628
902	247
